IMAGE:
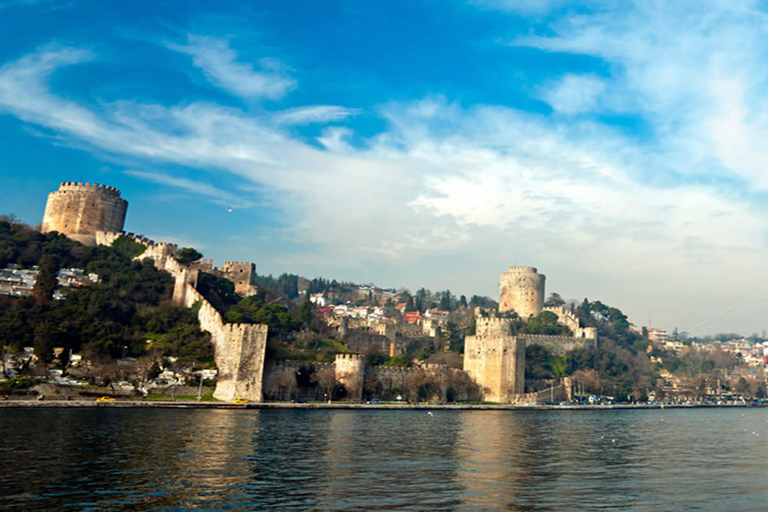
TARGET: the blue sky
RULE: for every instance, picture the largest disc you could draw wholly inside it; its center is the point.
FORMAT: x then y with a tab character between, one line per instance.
617	146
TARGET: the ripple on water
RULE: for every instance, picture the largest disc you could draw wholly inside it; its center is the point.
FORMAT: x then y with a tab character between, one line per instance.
372	460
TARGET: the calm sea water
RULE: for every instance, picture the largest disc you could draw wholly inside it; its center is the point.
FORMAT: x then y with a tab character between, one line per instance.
101	459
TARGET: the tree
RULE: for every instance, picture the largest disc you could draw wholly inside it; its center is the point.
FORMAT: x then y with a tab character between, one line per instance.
326	379
446	300
10	218
188	255
743	387
554	301
544	323
46	280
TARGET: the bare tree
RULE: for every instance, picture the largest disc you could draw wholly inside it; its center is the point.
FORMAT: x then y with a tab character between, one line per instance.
326	379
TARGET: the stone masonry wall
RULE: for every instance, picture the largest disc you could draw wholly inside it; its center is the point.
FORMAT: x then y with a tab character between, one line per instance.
239	349
570	320
558	345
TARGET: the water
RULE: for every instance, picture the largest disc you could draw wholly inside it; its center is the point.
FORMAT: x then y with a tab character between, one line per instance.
102	459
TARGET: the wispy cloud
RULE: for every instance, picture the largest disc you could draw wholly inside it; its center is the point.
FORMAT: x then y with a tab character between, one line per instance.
219	196
520	6
50	5
219	62
572	94
442	181
313	114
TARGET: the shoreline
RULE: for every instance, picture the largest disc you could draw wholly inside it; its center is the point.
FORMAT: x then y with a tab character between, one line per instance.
192	404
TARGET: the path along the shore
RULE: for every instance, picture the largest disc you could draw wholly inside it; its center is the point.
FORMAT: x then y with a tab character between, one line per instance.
192	404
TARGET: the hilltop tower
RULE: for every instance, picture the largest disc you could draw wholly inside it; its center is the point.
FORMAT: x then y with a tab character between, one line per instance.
522	289
79	210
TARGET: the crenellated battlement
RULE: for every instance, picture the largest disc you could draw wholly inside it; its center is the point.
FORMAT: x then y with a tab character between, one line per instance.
237	264
523	270
492	326
88	187
350	357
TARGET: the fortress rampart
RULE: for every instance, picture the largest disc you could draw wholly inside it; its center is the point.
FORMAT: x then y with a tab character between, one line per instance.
558	345
79	210
241	273
570	320
239	348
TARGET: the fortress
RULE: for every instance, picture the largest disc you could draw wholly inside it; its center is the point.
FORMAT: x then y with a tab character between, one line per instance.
80	209
494	356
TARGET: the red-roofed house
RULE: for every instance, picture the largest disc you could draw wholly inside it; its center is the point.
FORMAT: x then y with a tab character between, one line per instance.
412	317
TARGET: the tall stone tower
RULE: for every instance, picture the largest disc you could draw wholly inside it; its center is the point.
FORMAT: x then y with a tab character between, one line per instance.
350	372
522	289
494	358
79	210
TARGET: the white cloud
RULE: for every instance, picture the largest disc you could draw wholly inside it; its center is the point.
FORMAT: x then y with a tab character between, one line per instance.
572	94
219	196
445	185
220	65
521	6
313	114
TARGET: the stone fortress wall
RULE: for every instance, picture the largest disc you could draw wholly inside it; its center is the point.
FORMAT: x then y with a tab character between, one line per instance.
241	273
558	345
522	289
80	209
239	349
570	320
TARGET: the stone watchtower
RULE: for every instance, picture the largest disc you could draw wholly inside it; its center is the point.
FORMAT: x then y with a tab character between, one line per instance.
79	210
522	289
495	358
242	274
350	373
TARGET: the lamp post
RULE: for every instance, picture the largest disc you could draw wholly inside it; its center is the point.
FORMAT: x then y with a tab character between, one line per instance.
200	389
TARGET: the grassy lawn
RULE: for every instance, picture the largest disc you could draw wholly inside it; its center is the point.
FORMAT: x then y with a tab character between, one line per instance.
207	397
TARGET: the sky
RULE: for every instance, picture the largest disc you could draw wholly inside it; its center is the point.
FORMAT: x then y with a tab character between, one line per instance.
617	146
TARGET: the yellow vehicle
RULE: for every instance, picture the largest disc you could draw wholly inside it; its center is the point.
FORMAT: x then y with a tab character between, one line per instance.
105	399
240	400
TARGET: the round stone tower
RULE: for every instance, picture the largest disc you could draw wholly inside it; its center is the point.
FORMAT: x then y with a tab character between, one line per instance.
522	289
80	209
